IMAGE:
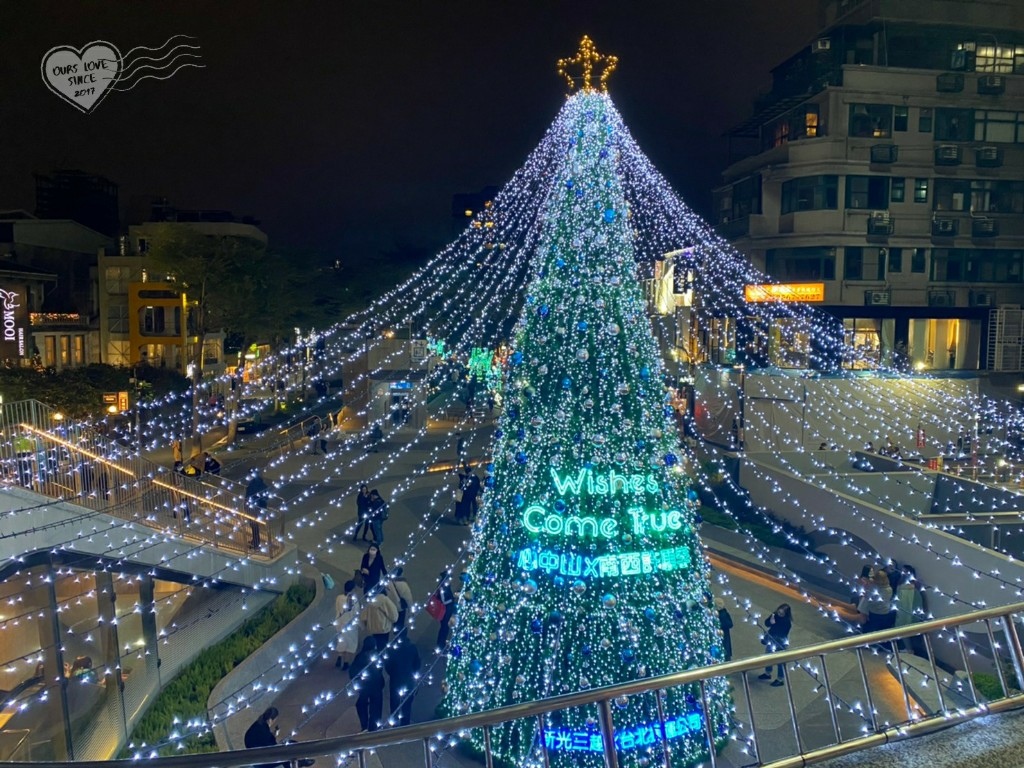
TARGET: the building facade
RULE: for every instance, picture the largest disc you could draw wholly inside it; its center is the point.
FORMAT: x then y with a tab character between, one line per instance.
887	167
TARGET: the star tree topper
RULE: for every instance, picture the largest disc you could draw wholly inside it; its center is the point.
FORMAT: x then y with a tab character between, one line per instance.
585	59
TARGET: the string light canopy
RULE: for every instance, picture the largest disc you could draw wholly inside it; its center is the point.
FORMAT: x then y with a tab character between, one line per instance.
585	59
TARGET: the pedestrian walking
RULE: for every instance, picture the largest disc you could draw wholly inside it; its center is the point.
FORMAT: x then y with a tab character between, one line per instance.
378	514
370	704
491	402
776	638
256	500
210	464
263	733
347	610
176	451
460	448
378	617
725	620
362	513
447	599
402	665
372	568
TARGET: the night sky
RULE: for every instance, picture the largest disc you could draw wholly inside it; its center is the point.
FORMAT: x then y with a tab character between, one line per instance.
347	127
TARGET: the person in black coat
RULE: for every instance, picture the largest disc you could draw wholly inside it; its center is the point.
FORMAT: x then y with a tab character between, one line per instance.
362	513
263	733
447	598
776	638
725	620
402	665
370	704
372	567
473	492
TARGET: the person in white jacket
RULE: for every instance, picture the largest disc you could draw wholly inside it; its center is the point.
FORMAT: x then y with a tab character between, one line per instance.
346	623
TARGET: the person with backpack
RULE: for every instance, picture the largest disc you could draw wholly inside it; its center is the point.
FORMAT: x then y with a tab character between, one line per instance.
400	592
378	514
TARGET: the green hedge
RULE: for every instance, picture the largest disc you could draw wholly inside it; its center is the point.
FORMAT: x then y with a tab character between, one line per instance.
185	697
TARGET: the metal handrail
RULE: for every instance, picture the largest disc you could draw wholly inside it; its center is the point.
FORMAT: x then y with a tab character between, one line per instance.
421	732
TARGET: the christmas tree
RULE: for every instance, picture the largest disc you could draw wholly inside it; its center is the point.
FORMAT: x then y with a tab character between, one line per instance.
586	567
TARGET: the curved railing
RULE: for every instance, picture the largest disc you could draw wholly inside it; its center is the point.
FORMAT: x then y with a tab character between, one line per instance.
939	699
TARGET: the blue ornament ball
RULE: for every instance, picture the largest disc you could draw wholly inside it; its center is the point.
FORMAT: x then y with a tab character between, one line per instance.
517	358
465	576
543	310
645	372
628	654
555	617
671	460
536	626
608	601
559	581
691	494
581	325
475	666
579	194
603	153
559	262
520	433
609	215
585	650
521	457
489	482
577	438
560	506
518	500
569	183
649	614
456	651
498	434
566	383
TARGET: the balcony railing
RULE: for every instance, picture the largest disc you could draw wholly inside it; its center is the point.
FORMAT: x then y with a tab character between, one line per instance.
74	463
898	690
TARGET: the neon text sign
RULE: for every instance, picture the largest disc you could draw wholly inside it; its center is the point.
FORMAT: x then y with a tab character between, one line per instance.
603	483
603	566
637	736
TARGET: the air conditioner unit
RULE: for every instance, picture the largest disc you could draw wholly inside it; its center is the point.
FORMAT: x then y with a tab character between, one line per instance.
884	153
988	157
821	45
949	82
944	227
981	298
941	299
991	84
877	298
947	154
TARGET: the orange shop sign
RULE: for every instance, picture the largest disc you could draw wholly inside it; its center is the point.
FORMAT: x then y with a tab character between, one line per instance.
784	292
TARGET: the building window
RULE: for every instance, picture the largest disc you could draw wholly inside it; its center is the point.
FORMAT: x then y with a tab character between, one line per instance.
900	118
117	279
801	123
117	318
50	351
948	265
861	263
998	127
920	190
898	190
924	121
996	59
867	192
895	260
979	196
957	265
65	351
143	245
871	120
954	124
811	193
117	353
79	350
917	260
797	264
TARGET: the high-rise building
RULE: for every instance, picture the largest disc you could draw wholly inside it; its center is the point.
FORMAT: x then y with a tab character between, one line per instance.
88	199
886	166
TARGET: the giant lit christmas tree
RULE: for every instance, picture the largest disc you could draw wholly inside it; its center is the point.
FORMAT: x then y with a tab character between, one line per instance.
586	567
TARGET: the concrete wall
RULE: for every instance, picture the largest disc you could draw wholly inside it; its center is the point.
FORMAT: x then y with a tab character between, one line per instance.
931	552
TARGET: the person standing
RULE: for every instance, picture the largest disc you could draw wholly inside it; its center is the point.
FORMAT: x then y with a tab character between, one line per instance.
370	704
372	568
379	617
362	512
460	448
911	604
256	500
378	514
210	464
402	665
263	733
776	638
176	452
447	598
400	593
347	612
313	433
462	500
875	607
474	490
725	620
